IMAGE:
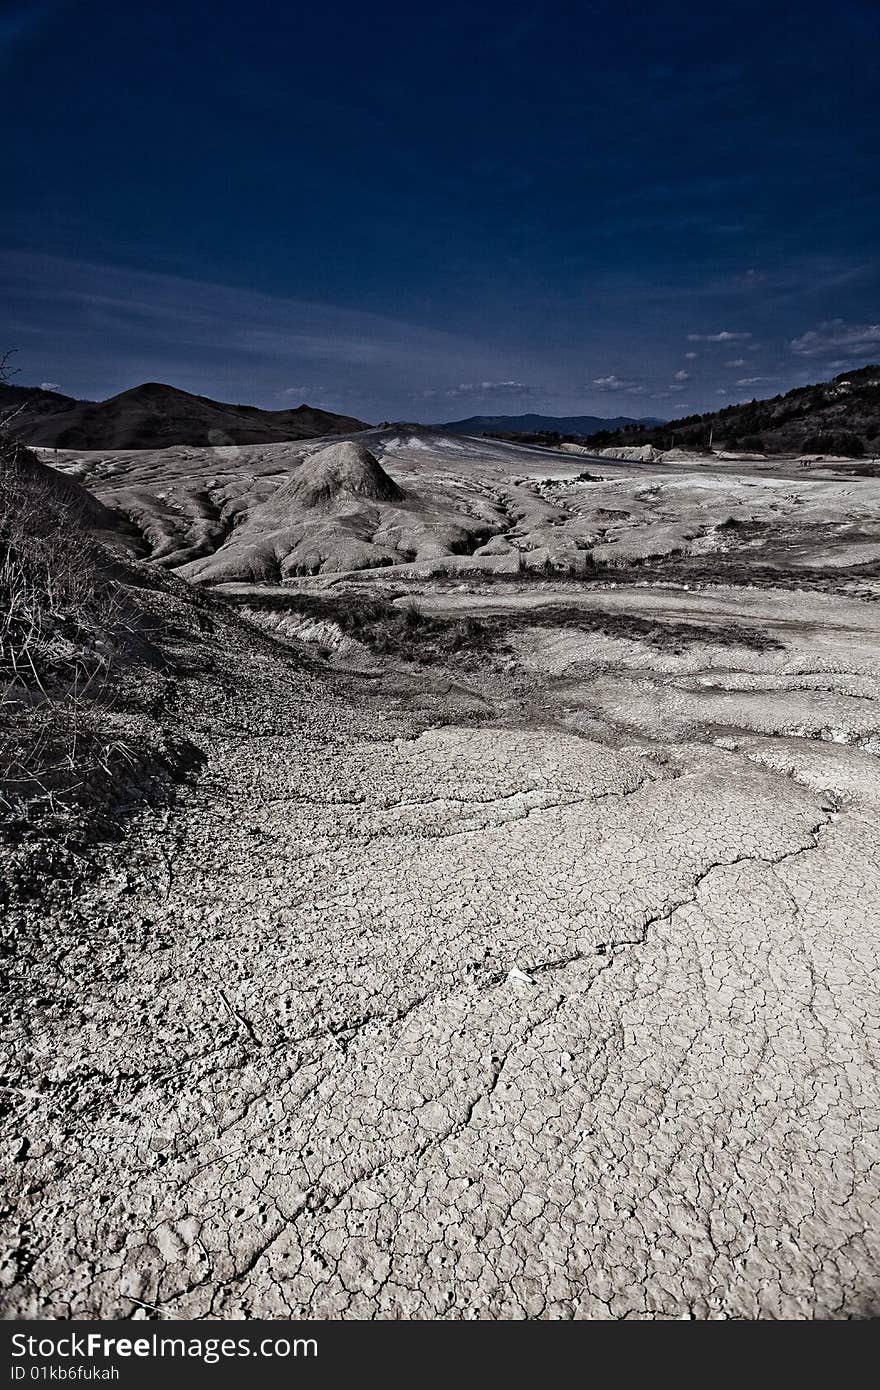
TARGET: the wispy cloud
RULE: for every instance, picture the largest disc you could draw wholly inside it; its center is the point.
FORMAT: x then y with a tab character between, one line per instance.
723	337
736	362
120	327
837	336
682	376
477	388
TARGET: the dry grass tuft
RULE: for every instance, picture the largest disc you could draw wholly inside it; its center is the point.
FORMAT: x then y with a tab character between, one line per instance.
65	626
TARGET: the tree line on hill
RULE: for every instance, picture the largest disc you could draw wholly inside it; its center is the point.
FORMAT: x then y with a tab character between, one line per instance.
840	417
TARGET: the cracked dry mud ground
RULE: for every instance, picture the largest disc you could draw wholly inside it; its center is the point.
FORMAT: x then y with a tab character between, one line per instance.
407	1014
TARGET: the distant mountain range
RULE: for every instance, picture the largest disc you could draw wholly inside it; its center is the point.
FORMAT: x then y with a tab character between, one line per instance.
155	416
541	424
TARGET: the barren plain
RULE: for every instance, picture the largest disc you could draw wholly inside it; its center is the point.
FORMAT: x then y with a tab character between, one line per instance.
513	952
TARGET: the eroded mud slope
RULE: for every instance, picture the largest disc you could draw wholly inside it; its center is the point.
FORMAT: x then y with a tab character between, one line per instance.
415	504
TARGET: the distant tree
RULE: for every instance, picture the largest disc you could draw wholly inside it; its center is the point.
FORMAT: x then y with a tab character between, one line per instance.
6	371
841	442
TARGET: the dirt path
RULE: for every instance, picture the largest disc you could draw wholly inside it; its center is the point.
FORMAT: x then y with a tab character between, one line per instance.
721	604
396	1014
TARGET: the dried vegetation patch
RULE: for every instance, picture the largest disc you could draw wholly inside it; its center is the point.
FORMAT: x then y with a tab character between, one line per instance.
71	639
377	624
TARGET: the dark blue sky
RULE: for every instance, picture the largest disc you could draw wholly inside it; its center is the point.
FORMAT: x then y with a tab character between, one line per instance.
599	207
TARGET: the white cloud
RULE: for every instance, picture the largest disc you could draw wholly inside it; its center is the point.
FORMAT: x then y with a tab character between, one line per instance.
478	388
613	383
682	376
736	362
850	339
50	386
723	337
691	355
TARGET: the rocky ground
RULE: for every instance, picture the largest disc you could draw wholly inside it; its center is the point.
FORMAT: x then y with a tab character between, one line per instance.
536	982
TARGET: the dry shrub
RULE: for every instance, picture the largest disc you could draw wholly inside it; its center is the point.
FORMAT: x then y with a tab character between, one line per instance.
64	625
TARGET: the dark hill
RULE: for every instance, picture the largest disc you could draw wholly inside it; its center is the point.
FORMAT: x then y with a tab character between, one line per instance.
841	416
30	405
155	416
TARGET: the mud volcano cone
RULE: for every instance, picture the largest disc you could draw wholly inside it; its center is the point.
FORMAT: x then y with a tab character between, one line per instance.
340	470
